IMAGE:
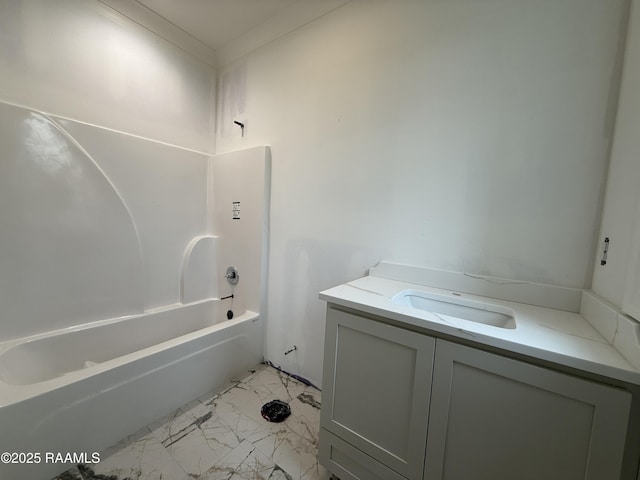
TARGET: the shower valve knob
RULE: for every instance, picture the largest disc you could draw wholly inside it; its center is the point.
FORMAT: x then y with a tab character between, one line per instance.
232	275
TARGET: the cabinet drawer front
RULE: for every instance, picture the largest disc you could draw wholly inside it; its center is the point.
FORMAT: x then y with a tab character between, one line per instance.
376	388
496	418
349	463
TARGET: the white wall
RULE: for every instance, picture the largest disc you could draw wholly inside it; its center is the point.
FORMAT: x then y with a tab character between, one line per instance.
80	59
95	222
623	185
240	184
461	135
165	191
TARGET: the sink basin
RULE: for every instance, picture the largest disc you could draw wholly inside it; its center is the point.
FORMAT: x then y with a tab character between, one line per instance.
452	309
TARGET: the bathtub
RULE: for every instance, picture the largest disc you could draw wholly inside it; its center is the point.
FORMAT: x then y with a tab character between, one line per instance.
81	389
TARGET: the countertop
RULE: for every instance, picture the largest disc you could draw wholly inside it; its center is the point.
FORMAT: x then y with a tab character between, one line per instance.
560	337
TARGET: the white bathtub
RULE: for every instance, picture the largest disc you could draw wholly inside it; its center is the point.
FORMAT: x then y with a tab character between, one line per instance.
82	389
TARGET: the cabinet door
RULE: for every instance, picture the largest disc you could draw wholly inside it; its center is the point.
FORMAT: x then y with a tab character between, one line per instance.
494	418
631	300
349	463
376	384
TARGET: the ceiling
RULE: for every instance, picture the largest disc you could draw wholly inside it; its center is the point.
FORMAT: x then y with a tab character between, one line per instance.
216	22
208	28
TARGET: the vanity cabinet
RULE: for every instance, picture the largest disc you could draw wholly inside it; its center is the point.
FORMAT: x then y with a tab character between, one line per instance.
494	418
402	404
376	382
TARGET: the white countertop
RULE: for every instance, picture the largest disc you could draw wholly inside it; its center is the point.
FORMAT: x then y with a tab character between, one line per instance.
551	335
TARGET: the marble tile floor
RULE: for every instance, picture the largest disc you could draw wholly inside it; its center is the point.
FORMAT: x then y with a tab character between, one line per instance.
222	435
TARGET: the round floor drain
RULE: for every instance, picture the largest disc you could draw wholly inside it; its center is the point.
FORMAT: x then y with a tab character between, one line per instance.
275	411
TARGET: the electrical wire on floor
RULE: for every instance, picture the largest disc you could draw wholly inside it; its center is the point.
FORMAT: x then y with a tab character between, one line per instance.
292	375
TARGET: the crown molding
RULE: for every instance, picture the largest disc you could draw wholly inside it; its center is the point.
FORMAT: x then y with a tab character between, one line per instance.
146	18
289	20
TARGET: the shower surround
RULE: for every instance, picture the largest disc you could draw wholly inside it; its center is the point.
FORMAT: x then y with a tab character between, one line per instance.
112	273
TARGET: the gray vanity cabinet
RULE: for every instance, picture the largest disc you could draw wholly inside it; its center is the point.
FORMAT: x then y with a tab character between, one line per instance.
376	386
495	418
390	395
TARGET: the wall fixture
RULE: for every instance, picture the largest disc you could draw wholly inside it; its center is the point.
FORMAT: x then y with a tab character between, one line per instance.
605	251
232	275
241	125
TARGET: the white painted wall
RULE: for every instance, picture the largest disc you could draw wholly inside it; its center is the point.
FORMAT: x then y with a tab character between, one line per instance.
460	135
623	185
80	59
